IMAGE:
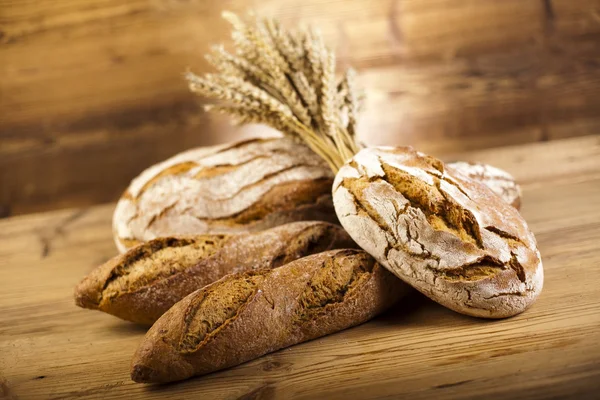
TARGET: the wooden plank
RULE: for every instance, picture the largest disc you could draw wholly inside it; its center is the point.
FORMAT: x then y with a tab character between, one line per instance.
84	83
50	349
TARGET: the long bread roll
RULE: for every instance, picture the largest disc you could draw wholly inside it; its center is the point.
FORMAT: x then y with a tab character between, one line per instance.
244	316
143	283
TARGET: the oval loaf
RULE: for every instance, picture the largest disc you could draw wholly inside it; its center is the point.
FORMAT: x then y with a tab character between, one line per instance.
143	283
501	182
238	187
243	316
445	234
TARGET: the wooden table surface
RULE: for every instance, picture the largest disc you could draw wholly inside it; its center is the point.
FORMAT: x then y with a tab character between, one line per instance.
51	349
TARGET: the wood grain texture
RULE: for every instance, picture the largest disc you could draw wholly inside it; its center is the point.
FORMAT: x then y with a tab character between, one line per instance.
92	91
50	349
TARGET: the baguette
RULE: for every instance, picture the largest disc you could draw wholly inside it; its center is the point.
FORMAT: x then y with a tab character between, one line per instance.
445	234
499	181
142	284
244	316
239	187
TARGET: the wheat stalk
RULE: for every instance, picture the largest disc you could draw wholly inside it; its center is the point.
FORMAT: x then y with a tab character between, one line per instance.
286	80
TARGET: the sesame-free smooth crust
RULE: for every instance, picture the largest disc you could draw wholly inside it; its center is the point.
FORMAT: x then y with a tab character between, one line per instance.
447	235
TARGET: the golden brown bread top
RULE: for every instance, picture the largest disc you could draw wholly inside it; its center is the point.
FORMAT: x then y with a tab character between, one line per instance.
162	258
143	283
208	311
239	187
444	233
332	282
243	316
143	265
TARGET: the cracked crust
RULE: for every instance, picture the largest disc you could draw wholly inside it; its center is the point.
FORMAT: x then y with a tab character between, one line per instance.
244	316
447	235
240	187
143	283
501	182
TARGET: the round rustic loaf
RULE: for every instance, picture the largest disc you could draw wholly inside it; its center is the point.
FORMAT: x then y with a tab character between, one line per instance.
501	182
238	187
447	235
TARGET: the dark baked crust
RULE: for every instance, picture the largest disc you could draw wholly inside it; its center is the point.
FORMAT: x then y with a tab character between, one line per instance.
305	299
152	291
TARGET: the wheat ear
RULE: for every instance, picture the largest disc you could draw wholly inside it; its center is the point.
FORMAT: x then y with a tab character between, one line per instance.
284	79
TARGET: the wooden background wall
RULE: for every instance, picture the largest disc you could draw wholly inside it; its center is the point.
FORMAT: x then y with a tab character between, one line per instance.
91	91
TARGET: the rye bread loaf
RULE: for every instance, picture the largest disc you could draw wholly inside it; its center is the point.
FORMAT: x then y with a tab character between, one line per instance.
447	235
238	187
243	316
143	283
501	182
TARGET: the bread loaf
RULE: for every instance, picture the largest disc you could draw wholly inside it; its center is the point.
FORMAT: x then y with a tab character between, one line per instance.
244	316
240	187
445	234
501	182
143	283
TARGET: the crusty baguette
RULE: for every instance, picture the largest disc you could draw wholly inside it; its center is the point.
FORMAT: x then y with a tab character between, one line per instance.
143	283
445	234
501	182
239	187
244	316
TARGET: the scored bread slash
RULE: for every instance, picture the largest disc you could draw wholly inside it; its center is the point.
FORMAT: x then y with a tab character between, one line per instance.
245	186
499	181
244	316
440	230
142	284
445	234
